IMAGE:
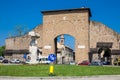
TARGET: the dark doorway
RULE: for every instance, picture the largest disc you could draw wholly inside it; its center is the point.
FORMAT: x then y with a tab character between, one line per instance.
104	54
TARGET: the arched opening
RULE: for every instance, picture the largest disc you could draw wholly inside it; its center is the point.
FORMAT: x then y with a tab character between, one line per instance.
64	49
104	54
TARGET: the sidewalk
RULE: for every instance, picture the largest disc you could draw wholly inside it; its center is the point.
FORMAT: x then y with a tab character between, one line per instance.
104	77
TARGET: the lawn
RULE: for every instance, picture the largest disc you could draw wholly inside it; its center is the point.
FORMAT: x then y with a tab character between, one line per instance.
59	70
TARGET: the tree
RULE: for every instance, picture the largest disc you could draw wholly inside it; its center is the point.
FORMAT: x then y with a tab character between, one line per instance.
2	49
20	30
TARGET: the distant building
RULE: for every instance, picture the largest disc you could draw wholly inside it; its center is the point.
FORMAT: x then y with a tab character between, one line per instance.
93	40
64	53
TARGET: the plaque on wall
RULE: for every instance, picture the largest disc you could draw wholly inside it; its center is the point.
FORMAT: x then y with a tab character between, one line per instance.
81	46
47	47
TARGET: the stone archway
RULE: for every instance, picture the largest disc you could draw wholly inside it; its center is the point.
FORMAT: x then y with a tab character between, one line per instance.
104	54
64	49
74	23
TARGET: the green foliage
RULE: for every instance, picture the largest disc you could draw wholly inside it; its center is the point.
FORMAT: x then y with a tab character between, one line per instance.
59	70
2	49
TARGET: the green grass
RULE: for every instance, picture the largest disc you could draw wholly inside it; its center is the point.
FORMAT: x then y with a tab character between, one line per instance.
59	70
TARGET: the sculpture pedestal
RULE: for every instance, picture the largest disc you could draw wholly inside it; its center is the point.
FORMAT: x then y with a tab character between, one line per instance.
33	47
33	54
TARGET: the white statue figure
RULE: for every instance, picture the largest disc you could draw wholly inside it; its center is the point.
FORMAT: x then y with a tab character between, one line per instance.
33	47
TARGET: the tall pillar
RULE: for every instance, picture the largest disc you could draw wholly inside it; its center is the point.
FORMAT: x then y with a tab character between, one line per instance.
33	47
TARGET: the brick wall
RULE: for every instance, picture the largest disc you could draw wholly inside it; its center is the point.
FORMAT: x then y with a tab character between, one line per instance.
18	43
23	42
72	22
101	33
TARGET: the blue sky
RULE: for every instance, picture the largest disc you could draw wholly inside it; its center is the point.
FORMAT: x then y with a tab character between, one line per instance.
27	13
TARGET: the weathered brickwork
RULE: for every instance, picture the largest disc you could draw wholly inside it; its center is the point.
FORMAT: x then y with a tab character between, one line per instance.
101	33
23	42
15	56
18	43
39	30
74	22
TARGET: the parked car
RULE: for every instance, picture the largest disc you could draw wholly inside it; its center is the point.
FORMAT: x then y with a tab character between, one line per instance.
72	63
84	63
96	63
43	60
106	63
5	61
117	61
15	61
1	59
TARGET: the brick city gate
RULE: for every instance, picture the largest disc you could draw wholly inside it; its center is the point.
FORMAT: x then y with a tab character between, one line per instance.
74	22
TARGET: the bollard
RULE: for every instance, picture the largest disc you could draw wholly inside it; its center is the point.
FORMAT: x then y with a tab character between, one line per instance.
51	69
51	72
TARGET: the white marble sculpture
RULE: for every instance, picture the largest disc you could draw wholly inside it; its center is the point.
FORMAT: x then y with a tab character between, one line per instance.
33	47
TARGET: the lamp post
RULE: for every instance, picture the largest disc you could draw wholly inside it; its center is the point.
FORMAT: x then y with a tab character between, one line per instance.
33	47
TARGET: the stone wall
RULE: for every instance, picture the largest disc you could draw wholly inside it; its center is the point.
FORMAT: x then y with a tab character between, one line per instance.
101	33
39	30
23	42
18	43
71	22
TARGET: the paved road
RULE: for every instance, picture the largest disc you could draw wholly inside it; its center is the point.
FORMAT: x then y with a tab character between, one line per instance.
111	77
